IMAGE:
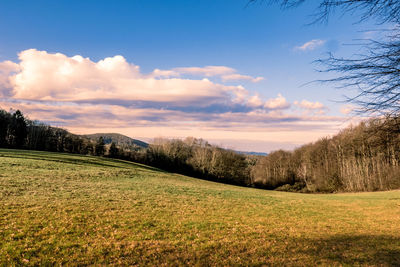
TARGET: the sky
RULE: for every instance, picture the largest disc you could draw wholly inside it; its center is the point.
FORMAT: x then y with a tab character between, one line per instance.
240	76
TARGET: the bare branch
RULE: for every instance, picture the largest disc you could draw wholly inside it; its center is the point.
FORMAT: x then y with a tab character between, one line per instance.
381	10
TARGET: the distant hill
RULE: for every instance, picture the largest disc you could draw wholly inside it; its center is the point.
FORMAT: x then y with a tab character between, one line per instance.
118	139
252	153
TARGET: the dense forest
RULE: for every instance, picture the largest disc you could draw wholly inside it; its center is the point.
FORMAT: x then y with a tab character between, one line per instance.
360	158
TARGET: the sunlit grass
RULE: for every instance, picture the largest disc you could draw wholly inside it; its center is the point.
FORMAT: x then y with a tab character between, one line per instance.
70	209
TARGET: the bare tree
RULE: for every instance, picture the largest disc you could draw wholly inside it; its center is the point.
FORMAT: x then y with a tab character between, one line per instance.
375	74
382	10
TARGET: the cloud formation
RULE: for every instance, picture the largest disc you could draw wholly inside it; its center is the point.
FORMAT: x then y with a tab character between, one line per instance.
43	76
310	45
207	71
309	105
347	109
225	73
315	107
57	77
238	77
277	103
83	95
7	68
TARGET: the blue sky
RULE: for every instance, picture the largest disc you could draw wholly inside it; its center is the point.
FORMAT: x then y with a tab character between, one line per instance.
183	37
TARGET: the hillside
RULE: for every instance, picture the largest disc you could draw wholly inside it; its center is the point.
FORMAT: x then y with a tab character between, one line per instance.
118	139
59	208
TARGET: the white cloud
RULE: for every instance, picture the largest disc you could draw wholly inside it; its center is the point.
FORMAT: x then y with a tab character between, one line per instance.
255	101
225	73
207	71
157	73
237	76
347	109
313	107
57	77
277	103
7	68
310	45
309	105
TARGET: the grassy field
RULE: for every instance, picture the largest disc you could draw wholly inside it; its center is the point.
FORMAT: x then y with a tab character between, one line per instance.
78	210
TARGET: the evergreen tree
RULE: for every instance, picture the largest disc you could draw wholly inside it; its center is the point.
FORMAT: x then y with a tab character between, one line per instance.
5	120
113	152
99	148
18	129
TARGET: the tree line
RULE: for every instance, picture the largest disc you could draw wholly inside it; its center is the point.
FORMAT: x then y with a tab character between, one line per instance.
16	131
365	157
194	157
360	158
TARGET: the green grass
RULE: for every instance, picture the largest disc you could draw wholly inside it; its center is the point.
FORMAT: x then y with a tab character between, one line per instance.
77	210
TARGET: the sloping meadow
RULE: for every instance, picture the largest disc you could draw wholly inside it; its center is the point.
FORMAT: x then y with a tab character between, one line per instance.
70	209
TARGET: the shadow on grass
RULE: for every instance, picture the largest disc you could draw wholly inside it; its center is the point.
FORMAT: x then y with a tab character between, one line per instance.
375	250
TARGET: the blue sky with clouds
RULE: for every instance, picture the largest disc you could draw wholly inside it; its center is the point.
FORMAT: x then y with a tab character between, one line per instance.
230	72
